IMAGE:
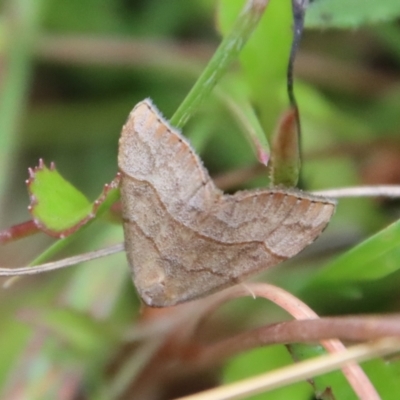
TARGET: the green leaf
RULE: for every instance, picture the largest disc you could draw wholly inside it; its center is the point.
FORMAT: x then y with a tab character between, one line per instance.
328	386
233	92
350	13
261	361
265	60
57	207
241	30
384	376
285	155
374	258
265	57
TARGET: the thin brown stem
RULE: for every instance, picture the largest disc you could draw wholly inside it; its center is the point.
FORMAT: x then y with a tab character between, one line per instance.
349	328
299	310
83	50
65	262
18	231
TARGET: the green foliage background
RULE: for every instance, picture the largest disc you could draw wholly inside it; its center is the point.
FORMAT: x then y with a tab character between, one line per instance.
72	72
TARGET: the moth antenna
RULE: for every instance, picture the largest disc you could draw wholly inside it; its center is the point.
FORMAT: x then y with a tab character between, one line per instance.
65	262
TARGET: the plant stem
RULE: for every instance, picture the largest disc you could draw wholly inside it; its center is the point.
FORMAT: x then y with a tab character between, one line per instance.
228	50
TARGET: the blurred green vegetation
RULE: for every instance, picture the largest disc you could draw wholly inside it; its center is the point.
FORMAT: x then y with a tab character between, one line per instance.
71	72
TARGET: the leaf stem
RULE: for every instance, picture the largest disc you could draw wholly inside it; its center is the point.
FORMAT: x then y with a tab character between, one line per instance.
228	50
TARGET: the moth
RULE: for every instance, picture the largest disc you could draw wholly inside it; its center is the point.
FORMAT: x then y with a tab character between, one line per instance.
185	238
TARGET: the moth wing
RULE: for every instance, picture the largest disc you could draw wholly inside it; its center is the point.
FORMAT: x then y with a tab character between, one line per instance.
188	266
184	238
151	150
285	221
172	263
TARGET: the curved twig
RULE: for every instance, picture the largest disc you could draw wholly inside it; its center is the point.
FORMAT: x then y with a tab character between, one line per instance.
65	262
299	310
297	372
392	191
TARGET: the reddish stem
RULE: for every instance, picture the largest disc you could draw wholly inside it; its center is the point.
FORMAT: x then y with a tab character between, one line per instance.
299	310
349	328
18	232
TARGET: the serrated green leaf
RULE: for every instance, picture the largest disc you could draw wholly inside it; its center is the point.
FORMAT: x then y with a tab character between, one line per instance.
374	258
350	13
56	204
58	208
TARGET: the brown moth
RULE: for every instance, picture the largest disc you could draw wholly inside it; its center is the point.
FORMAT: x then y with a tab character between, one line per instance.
185	238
